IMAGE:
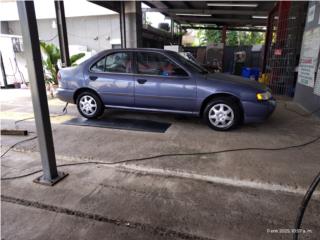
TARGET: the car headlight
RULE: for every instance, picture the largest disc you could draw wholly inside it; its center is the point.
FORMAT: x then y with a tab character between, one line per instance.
264	96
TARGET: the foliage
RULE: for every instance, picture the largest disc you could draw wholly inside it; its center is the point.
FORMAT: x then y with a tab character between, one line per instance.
234	38
50	63
206	37
75	58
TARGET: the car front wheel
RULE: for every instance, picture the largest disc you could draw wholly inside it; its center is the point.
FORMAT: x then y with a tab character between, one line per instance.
222	114
89	105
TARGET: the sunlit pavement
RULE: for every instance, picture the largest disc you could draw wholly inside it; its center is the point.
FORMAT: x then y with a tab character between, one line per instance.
235	195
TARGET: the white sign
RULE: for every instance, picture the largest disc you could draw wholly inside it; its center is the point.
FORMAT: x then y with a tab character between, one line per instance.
309	57
311	12
316	89
306	72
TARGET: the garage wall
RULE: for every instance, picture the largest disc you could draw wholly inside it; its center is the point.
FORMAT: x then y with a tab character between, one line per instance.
95	32
304	95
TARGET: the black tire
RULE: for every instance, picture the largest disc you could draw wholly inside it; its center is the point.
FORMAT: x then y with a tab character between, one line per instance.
226	104
92	98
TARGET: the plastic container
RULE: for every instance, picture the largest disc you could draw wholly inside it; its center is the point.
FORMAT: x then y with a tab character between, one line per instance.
250	73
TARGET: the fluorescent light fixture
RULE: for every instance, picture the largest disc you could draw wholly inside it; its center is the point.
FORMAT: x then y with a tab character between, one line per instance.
260	17
232	5
262	27
193	14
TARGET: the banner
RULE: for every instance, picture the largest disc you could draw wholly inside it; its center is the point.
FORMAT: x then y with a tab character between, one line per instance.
309	57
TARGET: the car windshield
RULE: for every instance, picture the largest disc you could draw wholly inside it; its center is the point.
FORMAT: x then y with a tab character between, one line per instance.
190	64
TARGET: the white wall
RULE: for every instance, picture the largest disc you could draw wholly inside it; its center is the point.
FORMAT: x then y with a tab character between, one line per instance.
95	32
45	9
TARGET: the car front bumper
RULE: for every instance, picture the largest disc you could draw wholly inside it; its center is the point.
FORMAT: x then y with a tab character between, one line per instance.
258	111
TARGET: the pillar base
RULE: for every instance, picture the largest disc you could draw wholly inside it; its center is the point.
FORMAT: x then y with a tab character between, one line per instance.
41	180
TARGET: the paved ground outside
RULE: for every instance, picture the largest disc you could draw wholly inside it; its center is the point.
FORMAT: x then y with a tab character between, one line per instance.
248	194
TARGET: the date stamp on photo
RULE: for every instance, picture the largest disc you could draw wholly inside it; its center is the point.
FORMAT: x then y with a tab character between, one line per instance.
289	230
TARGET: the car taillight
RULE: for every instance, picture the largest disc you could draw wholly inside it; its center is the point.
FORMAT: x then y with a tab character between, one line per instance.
58	76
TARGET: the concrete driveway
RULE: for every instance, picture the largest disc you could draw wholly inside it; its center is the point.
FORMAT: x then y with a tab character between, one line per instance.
247	194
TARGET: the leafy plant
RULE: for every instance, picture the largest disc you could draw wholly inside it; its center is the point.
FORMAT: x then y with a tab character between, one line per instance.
234	38
75	58
50	64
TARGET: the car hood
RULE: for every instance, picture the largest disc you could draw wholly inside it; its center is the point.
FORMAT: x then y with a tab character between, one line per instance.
237	80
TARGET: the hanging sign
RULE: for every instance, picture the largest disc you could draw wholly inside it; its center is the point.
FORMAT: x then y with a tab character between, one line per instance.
316	89
309	56
311	12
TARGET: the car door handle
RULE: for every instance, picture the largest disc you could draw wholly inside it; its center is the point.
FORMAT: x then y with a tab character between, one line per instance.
141	81
93	78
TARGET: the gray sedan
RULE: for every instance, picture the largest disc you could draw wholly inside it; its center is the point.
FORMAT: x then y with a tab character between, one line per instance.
162	81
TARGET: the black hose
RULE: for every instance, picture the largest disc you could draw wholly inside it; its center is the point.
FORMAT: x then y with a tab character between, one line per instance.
304	205
172	155
17	143
64	111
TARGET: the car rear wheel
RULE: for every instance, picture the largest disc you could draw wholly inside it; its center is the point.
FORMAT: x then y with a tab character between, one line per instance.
89	105
222	114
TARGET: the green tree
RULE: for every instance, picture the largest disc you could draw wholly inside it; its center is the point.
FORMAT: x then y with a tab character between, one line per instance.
234	38
50	64
257	37
207	36
213	36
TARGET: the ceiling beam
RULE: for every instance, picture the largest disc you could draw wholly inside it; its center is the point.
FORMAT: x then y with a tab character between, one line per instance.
207	11
210	20
188	5
167	4
112	5
228	29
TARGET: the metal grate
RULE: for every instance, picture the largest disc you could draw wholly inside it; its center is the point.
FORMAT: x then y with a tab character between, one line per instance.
283	52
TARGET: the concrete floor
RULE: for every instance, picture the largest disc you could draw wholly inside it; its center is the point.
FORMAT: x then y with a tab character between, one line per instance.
234	195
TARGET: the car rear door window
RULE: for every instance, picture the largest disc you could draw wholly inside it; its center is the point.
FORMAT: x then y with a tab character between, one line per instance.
157	64
115	63
99	66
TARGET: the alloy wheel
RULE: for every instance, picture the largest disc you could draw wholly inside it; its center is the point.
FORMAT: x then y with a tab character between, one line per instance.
88	105
221	115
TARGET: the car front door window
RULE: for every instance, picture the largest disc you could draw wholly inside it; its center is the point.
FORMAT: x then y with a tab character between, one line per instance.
158	65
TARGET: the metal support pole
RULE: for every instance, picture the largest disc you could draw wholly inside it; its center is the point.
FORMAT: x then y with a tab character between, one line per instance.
268	37
223	41
62	33
224	35
3	70
38	92
282	27
172	28
122	16
138	22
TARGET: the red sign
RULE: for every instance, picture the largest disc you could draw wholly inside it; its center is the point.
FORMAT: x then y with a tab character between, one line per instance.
278	52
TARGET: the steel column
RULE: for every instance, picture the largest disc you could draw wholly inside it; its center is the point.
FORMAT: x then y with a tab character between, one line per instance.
268	37
38	92
223	41
224	35
284	8
62	33
122	16
3	70
172	28
138	22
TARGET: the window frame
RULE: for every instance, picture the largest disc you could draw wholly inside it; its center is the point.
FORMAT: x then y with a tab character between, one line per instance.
135	66
129	53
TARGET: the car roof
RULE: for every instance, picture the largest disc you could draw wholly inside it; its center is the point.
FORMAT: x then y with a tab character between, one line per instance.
139	49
